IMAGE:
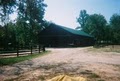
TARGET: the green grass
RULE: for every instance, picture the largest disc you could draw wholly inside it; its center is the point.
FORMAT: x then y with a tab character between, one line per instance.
93	75
13	60
101	80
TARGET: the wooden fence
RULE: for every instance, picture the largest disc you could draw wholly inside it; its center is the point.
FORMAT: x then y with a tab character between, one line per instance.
22	52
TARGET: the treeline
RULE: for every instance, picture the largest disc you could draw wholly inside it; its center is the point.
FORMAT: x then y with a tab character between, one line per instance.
105	33
22	32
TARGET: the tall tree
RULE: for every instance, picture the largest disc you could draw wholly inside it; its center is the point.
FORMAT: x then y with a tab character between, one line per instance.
35	14
2	34
108	34
95	26
115	24
6	8
83	16
30	15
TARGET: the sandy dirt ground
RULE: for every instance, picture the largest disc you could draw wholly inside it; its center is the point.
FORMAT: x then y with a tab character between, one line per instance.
86	62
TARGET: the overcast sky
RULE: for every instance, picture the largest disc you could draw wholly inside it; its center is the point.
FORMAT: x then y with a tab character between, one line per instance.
65	12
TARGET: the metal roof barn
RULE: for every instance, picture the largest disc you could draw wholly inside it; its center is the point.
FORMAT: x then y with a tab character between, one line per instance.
59	36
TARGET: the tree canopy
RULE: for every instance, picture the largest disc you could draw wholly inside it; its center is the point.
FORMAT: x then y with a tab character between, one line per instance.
115	25
83	16
29	22
97	26
6	8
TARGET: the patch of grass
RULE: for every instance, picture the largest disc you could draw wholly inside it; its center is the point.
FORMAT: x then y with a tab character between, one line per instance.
86	72
49	66
13	60
101	80
93	75
109	48
11	79
42	78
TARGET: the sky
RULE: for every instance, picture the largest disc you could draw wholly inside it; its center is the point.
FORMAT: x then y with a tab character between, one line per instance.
65	12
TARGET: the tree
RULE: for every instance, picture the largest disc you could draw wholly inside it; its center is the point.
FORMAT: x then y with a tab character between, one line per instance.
95	25
30	15
82	19
6	8
2	35
115	24
11	35
108	34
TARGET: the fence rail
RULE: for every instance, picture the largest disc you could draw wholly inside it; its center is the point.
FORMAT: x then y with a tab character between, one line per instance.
20	53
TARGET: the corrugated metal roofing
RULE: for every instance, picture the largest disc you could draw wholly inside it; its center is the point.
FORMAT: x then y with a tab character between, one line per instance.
73	31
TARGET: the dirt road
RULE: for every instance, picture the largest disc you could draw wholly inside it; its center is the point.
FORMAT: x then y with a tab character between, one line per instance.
94	65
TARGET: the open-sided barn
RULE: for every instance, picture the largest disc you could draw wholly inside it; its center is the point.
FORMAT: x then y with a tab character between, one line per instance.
59	36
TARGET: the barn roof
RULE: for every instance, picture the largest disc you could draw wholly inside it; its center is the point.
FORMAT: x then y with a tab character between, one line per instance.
73	31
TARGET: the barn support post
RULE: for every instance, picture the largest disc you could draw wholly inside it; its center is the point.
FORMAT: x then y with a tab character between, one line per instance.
17	50
31	49
43	48
39	48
